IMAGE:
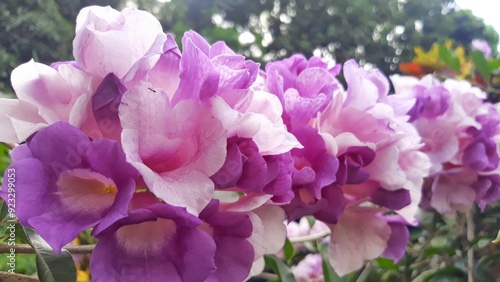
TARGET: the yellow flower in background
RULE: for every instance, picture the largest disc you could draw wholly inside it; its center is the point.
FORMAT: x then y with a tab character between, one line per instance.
439	60
83	276
429	59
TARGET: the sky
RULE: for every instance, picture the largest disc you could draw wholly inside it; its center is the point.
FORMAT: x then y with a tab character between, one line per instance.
486	9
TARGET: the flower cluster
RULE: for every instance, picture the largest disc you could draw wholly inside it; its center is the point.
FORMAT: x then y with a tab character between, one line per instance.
461	135
198	157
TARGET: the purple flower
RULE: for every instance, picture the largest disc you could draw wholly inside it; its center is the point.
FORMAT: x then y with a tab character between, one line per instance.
430	103
210	70
303	86
246	170
481	154
230	231
66	183
315	169
487	188
154	242
351	164
328	208
105	103
396	245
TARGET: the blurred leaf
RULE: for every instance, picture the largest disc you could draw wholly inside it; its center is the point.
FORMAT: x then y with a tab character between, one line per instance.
481	64
442	274
493	64
448	274
329	274
497	240
431	251
482	268
50	266
447	57
279	267
311	220
439	241
386	263
289	250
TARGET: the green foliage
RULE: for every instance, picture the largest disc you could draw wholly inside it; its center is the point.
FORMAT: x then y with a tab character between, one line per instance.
50	266
279	267
481	64
38	29
289	251
329	273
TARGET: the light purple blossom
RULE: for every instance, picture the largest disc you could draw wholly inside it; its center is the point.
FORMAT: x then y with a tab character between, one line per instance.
66	183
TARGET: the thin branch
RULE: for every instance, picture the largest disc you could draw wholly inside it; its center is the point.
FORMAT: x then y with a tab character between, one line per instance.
27	249
16	277
470	251
10	145
312	237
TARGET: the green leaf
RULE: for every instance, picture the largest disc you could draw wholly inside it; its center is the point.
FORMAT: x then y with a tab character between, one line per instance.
280	268
329	273
431	251
50	266
493	64
289	251
481	64
387	264
311	220
449	59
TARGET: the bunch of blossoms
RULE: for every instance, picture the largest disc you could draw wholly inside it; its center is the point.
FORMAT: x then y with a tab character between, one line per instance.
176	165
360	170
461	136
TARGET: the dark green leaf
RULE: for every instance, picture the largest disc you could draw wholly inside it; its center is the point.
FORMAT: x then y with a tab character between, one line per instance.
50	266
481	64
448	274
289	251
431	251
280	268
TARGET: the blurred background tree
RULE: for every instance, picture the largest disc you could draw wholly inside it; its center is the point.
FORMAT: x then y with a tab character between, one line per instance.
380	32
38	29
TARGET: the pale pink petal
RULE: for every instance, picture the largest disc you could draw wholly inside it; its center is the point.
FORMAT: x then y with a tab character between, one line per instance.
18	120
43	87
452	191
385	168
358	236
104	52
272	218
175	149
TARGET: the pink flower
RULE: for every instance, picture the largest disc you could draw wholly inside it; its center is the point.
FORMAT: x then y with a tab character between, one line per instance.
309	269
175	148
108	41
364	116
45	96
460	136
